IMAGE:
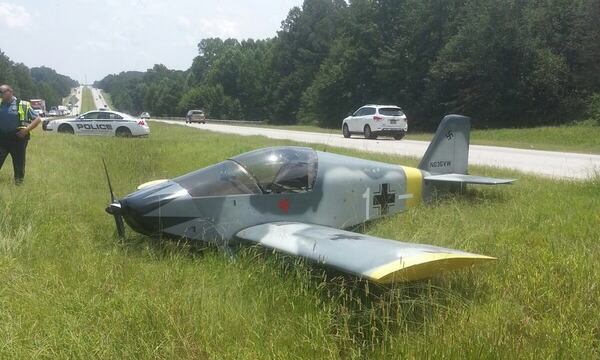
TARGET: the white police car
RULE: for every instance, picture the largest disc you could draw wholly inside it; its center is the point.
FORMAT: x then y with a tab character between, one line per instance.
98	122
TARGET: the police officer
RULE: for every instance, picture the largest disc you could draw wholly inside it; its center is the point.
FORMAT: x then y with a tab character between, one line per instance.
17	119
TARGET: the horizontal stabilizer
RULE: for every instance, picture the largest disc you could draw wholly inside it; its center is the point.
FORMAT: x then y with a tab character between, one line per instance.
467	179
376	259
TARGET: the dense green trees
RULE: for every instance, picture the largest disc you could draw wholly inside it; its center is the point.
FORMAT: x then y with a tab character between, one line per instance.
42	82
155	90
509	63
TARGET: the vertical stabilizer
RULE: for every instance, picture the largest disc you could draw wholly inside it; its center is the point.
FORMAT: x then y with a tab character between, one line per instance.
448	152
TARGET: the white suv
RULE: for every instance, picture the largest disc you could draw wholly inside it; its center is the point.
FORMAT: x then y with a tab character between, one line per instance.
375	120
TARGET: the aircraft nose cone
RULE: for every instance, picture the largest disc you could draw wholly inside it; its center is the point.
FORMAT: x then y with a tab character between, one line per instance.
141	210
114	208
134	217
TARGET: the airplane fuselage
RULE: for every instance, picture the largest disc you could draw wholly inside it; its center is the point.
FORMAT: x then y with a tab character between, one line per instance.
346	192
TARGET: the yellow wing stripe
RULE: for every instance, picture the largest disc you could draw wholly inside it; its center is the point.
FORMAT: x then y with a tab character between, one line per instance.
414	185
423	266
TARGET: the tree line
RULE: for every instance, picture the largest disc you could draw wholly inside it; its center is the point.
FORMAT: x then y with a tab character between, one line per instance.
35	83
505	63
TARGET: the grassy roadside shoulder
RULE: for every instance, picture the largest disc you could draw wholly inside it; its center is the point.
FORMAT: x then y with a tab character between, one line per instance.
107	99
580	138
71	288
87	100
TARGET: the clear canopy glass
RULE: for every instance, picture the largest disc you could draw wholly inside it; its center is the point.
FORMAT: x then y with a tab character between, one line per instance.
281	169
264	171
225	178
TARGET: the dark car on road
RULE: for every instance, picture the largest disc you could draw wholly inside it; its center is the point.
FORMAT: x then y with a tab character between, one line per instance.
195	116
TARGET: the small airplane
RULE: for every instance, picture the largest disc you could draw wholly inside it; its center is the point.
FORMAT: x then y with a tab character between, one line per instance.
299	201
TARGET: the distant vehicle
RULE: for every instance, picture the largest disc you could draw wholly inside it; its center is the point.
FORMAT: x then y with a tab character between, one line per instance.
102	109
144	115
39	105
63	110
195	116
53	113
39	113
110	123
376	120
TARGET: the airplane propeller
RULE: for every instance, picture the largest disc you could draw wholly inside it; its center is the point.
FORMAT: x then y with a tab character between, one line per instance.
115	206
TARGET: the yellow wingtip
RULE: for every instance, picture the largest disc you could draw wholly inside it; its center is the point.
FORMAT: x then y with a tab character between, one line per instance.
423	266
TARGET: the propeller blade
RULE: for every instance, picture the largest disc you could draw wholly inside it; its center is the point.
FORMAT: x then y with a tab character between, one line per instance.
120	225
115	207
112	194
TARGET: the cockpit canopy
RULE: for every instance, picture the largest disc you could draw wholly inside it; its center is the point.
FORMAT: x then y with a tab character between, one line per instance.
281	169
271	170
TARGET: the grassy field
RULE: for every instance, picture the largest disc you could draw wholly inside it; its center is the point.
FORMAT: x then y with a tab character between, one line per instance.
87	100
71	289
583	138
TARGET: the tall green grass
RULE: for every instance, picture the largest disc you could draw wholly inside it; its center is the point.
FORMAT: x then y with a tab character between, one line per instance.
71	289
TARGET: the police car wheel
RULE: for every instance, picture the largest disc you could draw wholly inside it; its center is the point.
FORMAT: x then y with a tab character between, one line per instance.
123	132
66	129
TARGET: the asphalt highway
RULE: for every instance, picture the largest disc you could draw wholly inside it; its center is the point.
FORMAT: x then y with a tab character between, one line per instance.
546	163
99	99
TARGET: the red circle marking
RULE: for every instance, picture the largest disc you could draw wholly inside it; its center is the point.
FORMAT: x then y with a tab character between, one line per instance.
284	205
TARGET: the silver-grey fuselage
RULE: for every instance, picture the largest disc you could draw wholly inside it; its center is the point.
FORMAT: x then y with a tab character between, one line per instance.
347	191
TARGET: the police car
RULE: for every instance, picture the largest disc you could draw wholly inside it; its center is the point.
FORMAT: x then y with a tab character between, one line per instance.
98	122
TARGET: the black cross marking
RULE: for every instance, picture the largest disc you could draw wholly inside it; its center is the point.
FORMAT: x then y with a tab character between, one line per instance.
384	198
346	237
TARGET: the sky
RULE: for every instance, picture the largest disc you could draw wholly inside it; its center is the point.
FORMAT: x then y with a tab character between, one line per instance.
89	39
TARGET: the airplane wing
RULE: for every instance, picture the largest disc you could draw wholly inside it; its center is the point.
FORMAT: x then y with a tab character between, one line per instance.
376	259
467	179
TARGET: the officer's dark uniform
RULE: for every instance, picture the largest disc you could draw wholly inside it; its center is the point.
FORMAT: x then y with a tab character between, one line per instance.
14	116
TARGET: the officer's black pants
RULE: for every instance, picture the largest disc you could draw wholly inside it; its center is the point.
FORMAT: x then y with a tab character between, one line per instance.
16	148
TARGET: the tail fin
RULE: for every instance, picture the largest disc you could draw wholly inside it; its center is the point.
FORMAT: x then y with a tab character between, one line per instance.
448	152
447	157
